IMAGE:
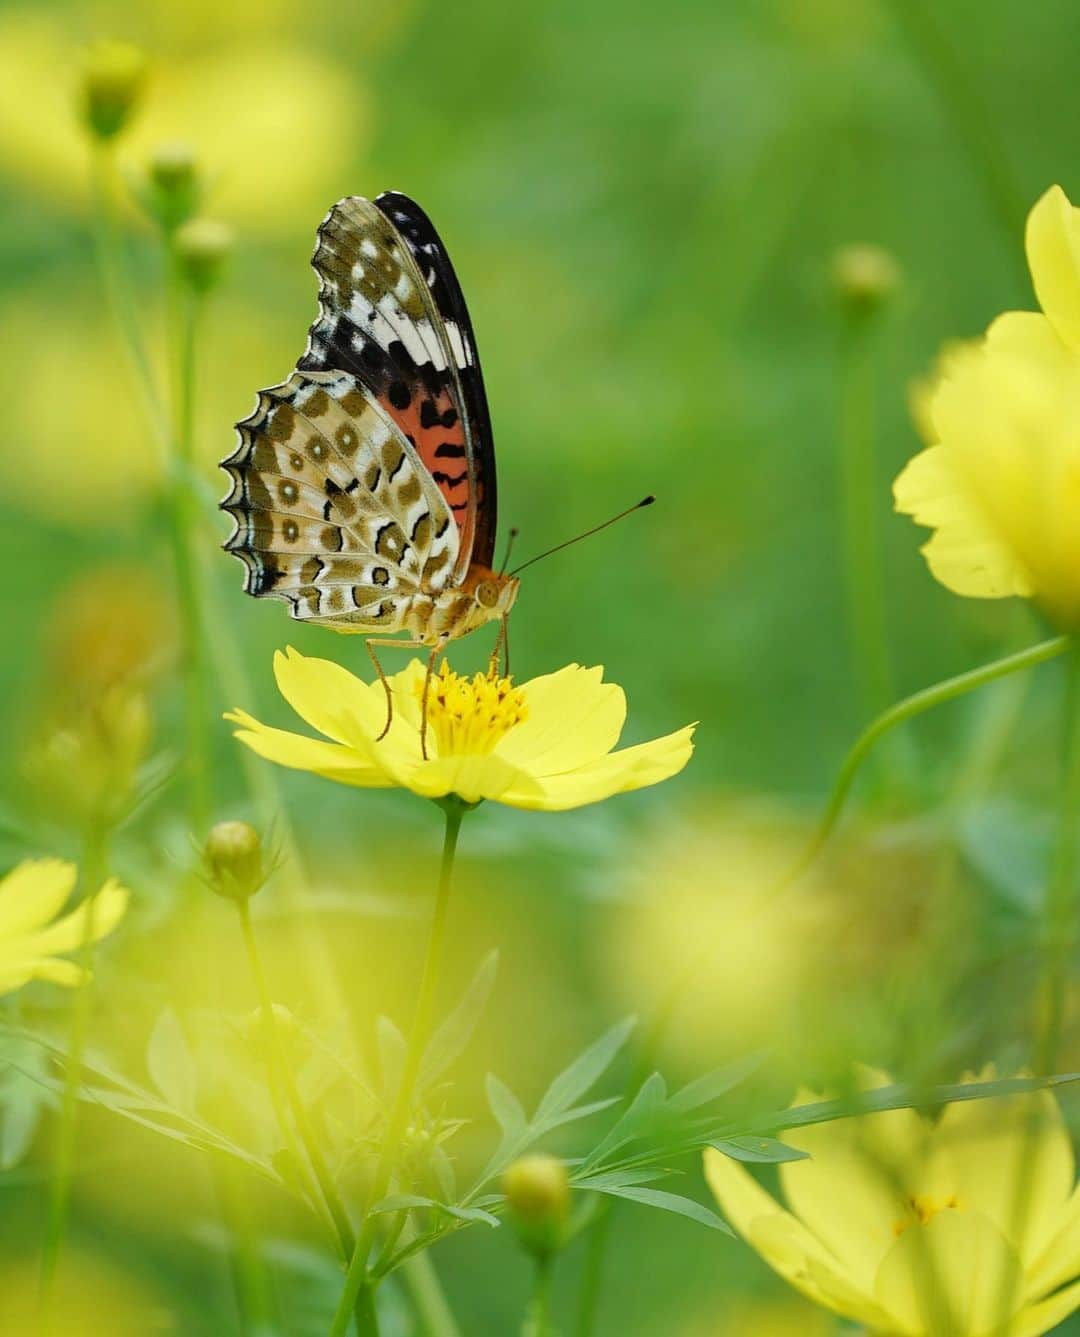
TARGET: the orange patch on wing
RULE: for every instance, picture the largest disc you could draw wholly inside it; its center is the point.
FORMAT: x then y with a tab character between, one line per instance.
435	428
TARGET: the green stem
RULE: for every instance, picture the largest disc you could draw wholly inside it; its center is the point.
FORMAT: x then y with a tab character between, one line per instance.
917	704
251	1286
1060	907
358	1292
939	694
94	869
119	290
286	1098
184	307
965	106
862	536
429	1301
538	1317
592	1272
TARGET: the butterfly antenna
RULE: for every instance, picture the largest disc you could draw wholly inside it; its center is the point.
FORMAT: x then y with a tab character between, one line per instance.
645	501
509	549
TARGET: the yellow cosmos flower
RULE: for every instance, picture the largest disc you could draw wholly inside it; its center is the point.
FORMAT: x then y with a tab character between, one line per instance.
33	940
546	744
966	1227
213	97
1000	483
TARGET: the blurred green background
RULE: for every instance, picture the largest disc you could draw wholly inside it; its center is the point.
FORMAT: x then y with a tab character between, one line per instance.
643	204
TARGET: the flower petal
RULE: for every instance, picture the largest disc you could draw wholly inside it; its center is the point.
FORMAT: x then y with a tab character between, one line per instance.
471	778
1060	1260
958	1265
14	974
964	554
791	1250
330	760
33	893
96	917
573	718
617	773
1040	1318
995	1147
1053	251
321	692
848	1193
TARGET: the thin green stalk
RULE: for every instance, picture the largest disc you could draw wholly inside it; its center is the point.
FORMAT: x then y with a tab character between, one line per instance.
592	1272
94	868
358	1292
864	563
119	290
1060	905
184	309
538	1316
254	1298
862	534
429	1301
917	704
967	109
286	1098
1059	932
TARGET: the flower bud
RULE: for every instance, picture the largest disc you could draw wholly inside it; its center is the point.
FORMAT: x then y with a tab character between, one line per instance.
202	246
88	764
537	1192
171	194
113	77
234	860
865	277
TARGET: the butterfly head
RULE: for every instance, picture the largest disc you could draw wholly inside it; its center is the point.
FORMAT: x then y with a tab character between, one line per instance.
492	593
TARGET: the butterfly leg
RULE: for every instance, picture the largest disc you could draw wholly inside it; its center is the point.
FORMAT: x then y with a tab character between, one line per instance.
436	651
501	647
384	645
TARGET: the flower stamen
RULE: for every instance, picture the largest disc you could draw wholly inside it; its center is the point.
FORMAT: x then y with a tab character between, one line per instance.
923	1208
468	716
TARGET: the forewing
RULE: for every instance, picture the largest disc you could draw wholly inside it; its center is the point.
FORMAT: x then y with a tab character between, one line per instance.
379	321
334	511
433	262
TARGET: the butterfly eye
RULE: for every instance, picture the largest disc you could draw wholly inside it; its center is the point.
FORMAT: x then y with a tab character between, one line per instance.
487	594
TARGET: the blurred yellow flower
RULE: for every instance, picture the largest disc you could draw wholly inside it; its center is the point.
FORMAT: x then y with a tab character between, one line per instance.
248	107
697	909
33	939
1000	485
92	477
969	1226
544	745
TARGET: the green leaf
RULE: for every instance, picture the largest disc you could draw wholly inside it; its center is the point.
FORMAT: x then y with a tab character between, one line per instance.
639	1115
24	1097
578	1112
450	1040
506	1107
602	1179
584	1072
169	1062
704	1090
667	1202
443	1169
402	1202
759	1150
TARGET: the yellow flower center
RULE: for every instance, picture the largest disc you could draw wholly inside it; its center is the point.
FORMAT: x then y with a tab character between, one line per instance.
924	1207
468	716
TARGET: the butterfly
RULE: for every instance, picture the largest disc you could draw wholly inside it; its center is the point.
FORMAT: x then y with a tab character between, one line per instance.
363	486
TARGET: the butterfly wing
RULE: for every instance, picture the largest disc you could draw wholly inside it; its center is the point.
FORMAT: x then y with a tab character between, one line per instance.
433	261
391	314
334	510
